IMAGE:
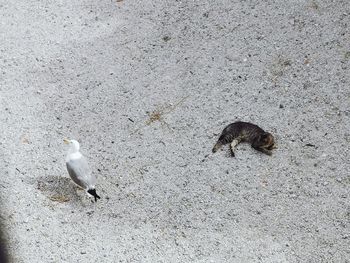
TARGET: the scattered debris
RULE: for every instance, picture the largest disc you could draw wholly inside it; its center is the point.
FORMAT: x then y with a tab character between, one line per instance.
89	213
279	67
310	145
205	158
59	198
25	140
166	38
314	5
157	115
347	55
18	170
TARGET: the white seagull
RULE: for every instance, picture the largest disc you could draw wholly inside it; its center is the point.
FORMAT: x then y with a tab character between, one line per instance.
79	170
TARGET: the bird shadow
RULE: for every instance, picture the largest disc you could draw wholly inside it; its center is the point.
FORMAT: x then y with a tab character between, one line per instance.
59	189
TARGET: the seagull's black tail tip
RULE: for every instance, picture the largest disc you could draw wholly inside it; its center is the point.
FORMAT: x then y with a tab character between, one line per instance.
93	193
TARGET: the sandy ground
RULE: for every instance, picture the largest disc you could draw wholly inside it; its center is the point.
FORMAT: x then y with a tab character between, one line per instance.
146	87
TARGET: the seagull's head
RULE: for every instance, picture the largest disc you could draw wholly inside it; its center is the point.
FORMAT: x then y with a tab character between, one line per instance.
73	145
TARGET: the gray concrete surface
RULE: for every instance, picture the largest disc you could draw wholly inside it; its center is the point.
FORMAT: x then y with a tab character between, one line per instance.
146	87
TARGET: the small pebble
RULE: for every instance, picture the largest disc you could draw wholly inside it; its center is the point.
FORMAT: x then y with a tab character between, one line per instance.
166	38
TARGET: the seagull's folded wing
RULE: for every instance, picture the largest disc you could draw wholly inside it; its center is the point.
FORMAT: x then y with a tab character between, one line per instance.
79	171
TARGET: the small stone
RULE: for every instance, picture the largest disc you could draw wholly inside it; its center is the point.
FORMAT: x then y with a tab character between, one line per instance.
166	38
